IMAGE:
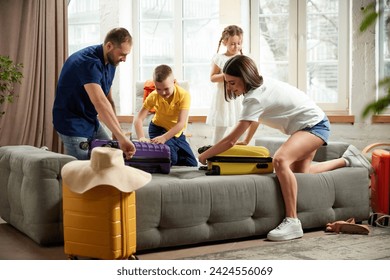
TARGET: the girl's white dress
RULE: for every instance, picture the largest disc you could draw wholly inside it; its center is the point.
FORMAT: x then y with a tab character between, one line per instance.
223	113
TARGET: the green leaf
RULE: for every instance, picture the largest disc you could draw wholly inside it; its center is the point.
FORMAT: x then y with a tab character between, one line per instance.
378	106
9	75
368	21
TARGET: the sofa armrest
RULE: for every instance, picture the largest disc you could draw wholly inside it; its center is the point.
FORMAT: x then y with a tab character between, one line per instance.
333	150
30	191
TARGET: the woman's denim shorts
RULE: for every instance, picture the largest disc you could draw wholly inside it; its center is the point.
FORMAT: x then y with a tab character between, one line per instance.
321	130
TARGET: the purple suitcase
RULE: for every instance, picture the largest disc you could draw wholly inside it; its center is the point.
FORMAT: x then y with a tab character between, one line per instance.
150	157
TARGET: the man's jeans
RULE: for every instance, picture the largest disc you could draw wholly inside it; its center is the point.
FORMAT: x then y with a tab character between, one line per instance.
72	143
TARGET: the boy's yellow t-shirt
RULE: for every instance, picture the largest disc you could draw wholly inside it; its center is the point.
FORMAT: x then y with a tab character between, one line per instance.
167	113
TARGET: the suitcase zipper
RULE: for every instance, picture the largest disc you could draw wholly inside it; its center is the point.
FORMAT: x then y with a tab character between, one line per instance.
149	160
240	159
124	222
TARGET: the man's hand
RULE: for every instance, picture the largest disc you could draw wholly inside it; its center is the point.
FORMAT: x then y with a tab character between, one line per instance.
127	147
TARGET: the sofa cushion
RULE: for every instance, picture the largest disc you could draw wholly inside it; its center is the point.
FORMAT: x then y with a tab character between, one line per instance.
30	191
188	207
333	150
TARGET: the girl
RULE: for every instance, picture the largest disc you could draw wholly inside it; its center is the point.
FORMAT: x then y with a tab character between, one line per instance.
224	114
290	110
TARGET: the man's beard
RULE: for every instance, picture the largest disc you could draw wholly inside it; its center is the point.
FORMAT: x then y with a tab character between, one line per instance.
111	59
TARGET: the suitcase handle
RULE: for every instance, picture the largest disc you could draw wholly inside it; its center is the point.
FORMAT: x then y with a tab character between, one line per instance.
374	145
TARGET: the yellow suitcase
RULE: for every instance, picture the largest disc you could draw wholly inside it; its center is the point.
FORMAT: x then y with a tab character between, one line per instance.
99	223
241	159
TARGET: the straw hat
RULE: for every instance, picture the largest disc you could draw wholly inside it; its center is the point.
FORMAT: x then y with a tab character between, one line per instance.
106	167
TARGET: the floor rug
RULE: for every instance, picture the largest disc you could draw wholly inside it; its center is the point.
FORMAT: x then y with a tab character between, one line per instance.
330	246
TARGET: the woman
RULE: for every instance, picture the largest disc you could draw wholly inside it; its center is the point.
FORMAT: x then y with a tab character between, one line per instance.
284	107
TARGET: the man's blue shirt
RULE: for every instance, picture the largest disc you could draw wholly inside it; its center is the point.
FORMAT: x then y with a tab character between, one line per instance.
73	111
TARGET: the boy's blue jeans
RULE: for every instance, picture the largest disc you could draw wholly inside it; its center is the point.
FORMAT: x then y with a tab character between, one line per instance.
72	143
181	153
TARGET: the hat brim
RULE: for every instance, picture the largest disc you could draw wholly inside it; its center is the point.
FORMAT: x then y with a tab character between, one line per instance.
80	177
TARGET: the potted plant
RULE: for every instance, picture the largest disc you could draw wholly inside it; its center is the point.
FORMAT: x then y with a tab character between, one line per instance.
9	75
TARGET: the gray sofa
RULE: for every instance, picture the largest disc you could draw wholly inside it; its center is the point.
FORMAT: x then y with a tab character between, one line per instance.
186	206
31	193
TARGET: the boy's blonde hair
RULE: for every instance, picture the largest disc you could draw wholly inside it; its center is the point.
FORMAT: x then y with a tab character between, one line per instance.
161	72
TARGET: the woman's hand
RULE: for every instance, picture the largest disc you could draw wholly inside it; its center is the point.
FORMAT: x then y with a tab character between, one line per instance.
202	160
242	143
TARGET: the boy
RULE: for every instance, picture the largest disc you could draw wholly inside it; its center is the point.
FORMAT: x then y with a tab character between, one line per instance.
171	104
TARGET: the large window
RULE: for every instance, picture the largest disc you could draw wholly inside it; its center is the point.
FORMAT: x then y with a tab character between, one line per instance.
303	42
184	35
83	24
383	47
88	23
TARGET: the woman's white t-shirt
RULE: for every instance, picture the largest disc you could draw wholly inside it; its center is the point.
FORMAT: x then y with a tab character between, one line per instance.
280	106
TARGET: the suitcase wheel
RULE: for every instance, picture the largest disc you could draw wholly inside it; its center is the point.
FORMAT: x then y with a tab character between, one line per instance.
111	144
72	257
133	257
84	145
215	170
203	149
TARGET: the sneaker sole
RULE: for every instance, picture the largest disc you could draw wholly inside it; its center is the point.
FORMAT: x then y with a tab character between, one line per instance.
361	158
291	236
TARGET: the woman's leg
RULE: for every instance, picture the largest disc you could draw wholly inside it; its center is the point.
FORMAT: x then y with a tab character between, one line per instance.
299	148
295	155
327	165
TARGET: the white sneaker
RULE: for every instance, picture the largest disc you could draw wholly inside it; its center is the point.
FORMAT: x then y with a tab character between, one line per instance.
289	229
357	159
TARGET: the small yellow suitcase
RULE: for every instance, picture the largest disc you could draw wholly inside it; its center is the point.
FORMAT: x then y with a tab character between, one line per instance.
99	223
241	159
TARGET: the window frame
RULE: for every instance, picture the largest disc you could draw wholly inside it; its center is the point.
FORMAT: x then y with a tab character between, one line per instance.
179	63
297	50
380	54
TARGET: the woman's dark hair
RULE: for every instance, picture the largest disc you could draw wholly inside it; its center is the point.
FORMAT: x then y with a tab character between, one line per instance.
117	36
242	66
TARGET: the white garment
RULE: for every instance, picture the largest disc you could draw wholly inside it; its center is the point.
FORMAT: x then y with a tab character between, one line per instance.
281	106
223	113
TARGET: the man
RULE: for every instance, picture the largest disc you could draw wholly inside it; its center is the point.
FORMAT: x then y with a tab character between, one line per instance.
84	92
